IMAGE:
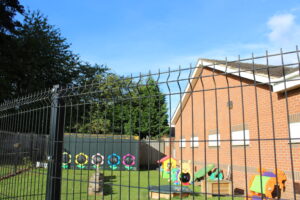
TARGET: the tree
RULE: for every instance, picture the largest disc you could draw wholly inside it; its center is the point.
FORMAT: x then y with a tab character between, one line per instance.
87	73
44	56
8	10
147	111
8	25
38	57
103	114
124	107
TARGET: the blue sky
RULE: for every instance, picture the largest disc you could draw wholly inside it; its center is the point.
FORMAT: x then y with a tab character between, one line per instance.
137	36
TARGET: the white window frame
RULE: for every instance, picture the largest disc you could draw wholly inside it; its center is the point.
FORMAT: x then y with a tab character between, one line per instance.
295	132
194	142
182	143
238	138
214	138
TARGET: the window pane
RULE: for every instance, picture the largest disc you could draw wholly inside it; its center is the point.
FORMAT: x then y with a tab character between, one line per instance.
182	142
194	142
212	140
238	137
295	132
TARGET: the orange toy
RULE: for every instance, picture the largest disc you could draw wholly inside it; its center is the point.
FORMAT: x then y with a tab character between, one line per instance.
267	184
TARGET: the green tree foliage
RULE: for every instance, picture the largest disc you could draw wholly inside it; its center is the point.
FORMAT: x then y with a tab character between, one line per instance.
38	57
147	111
125	107
44	56
8	10
8	25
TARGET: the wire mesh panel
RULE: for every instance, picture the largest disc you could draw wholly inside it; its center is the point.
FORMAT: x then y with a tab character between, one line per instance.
24	130
218	130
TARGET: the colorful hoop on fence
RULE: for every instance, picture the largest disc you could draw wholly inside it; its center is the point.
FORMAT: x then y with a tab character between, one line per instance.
66	160
97	160
81	160
128	161
113	161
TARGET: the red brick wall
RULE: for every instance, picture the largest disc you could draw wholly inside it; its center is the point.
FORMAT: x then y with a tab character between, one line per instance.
255	111
169	146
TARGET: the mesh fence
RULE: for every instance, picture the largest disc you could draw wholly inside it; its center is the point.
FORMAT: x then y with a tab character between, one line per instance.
217	130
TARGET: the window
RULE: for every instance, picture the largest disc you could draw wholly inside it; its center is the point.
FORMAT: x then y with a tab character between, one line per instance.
194	142
238	137
182	143
295	132
212	140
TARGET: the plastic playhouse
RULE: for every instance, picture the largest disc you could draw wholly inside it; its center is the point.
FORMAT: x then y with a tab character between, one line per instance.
267	185
167	164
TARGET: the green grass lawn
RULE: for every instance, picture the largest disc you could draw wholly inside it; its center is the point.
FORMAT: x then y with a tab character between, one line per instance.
32	185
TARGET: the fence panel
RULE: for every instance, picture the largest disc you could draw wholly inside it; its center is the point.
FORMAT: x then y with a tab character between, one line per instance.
228	129
24	130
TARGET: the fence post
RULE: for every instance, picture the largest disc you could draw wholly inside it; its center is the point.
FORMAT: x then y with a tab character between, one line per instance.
55	149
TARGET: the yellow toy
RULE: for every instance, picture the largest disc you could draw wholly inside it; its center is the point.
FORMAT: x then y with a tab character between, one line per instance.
185	175
168	163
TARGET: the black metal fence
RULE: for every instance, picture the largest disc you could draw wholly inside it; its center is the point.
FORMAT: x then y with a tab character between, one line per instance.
220	129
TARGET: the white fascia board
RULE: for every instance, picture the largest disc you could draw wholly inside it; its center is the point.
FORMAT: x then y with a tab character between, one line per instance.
234	72
288	82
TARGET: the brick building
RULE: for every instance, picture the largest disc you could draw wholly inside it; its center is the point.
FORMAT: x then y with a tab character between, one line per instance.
243	116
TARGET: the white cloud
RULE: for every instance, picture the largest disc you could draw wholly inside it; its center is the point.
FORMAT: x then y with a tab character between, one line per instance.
285	31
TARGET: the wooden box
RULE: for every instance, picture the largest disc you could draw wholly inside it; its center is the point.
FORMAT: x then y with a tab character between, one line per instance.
214	186
156	195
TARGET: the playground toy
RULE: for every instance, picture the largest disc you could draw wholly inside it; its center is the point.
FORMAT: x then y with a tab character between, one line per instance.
168	163
168	191
174	176
216	174
81	160
267	185
212	182
97	160
185	176
201	174
128	161
66	160
113	161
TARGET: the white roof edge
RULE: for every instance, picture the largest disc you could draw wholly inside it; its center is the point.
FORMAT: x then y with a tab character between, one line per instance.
232	71
277	83
281	84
